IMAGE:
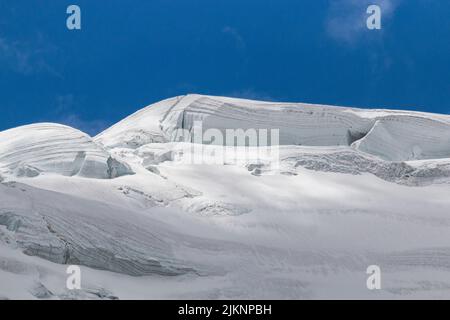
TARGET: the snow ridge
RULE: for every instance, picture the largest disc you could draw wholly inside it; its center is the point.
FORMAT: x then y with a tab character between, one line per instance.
352	187
30	150
390	135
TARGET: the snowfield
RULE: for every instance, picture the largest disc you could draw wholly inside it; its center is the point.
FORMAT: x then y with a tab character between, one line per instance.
351	188
29	150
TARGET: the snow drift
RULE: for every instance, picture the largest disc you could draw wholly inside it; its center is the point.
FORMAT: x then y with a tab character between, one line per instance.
407	137
30	150
390	135
352	188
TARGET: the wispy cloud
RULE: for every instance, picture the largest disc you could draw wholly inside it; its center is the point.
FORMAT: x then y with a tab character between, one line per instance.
236	36
63	113
346	19
251	94
27	57
91	127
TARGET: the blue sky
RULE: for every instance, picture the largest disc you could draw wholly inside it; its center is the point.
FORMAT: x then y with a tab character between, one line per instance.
133	53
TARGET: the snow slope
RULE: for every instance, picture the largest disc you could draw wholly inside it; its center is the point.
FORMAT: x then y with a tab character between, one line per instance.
309	235
33	149
391	135
398	138
351	188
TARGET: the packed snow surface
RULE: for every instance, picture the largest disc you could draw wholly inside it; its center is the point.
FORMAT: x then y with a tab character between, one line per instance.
390	135
29	150
349	188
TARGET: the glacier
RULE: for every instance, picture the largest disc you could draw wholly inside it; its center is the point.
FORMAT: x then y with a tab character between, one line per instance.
351	188
30	150
390	135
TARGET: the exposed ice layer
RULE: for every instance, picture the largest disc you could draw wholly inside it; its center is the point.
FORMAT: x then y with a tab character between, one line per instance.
391	135
352	162
298	124
69	230
398	138
246	229
29	150
341	159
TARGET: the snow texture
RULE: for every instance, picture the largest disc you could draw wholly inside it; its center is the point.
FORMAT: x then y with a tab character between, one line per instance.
351	188
30	150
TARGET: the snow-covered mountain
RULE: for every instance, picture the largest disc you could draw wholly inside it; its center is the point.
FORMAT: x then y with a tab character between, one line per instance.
390	135
351	188
53	148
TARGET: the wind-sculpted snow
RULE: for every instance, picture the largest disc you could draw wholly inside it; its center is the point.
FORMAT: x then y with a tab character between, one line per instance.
348	161
400	138
140	128
390	135
348	188
298	124
70	230
342	159
30	150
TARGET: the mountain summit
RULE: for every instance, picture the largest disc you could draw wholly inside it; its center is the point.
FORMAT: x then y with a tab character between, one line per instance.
348	188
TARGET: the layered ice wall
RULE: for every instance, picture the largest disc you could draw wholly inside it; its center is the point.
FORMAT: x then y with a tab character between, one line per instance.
28	151
67	229
299	124
390	135
401	138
